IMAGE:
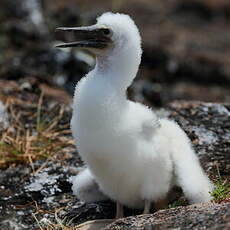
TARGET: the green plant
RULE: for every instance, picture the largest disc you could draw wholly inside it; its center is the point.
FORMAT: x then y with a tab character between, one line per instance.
177	203
221	191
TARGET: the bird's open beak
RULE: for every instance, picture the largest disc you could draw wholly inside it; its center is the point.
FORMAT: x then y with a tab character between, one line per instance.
95	37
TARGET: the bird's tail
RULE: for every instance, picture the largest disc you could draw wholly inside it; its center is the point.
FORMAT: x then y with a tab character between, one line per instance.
189	173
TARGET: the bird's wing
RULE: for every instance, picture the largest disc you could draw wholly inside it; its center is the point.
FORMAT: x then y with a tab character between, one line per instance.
149	127
145	118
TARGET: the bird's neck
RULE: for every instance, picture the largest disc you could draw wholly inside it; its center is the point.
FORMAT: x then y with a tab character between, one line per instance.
119	67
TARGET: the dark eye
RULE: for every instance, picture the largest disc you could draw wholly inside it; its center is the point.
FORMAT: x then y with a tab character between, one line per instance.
107	32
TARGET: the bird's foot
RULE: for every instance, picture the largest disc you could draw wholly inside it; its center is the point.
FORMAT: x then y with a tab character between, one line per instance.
94	224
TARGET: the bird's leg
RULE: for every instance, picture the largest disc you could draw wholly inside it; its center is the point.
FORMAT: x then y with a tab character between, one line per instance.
147	207
160	204
119	211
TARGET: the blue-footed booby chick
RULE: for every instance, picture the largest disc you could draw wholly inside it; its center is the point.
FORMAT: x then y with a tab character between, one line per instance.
134	157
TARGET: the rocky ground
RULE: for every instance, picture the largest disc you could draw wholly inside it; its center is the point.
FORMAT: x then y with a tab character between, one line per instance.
36	190
201	216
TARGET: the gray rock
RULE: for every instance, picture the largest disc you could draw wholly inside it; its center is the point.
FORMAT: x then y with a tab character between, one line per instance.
200	216
206	124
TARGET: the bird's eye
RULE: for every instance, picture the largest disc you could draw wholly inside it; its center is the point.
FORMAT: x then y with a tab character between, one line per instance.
107	32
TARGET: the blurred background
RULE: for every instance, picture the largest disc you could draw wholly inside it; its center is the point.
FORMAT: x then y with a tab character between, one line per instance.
186	46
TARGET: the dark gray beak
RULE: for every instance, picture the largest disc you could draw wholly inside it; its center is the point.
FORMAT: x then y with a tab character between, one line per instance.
97	37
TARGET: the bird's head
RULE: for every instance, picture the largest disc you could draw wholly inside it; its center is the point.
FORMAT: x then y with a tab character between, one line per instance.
112	31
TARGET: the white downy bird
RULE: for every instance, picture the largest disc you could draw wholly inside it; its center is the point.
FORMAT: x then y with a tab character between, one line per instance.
134	157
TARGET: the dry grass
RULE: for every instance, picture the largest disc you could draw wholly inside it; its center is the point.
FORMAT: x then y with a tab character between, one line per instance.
221	192
35	131
39	128
56	224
